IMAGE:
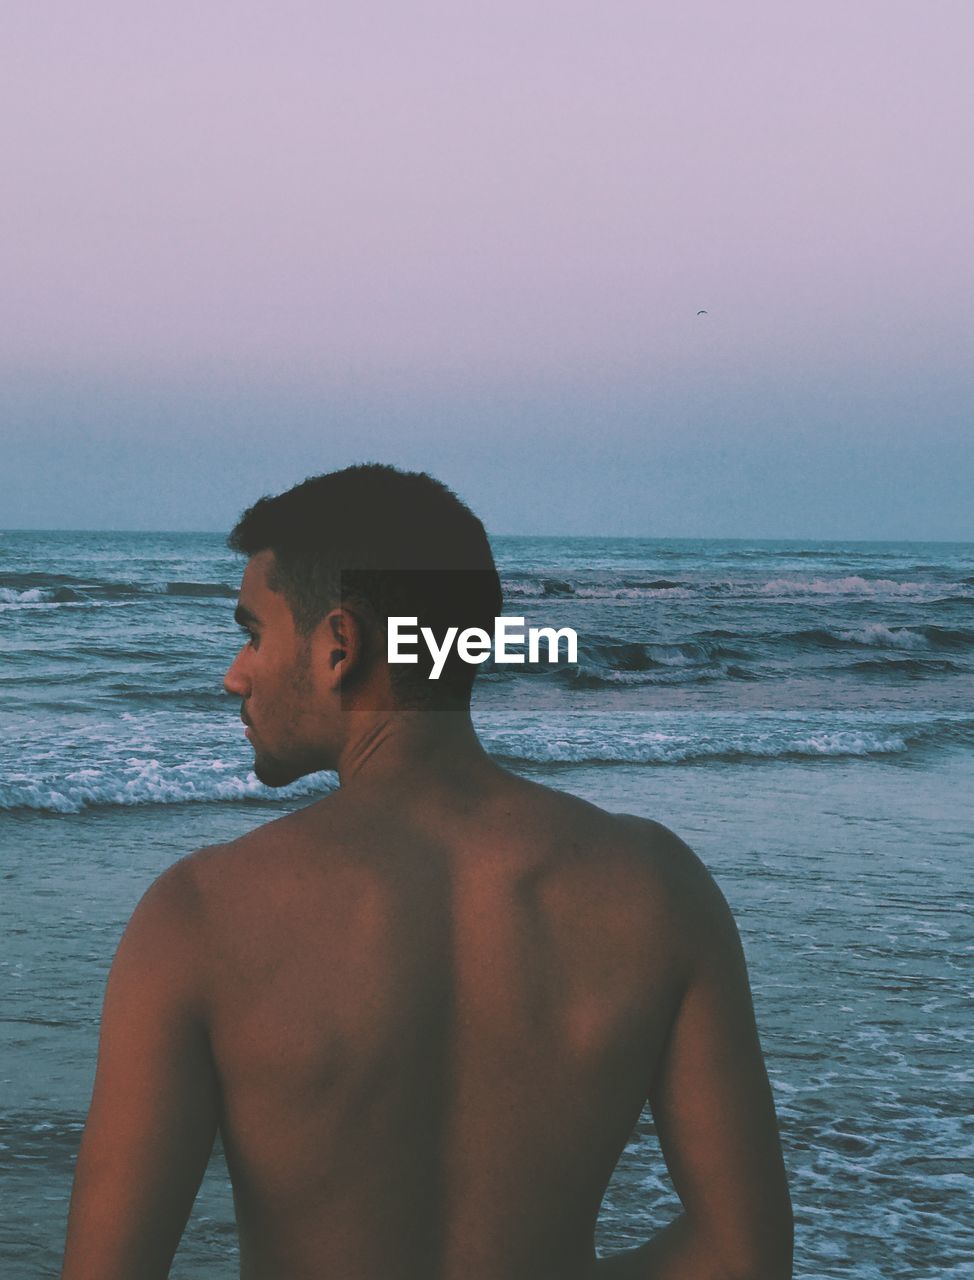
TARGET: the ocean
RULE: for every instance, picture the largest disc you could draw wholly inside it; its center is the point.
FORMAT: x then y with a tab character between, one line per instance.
801	713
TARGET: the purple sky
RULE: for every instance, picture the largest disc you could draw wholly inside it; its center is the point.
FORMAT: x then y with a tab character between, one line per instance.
241	243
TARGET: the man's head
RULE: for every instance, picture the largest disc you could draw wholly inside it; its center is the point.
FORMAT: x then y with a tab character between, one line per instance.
329	562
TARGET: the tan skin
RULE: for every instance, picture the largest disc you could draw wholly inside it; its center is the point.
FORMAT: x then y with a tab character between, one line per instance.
424	1013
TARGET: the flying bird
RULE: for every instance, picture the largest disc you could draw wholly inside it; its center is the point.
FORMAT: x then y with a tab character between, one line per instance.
703	313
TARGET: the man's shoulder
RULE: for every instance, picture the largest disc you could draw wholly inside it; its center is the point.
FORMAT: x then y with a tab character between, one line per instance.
638	854
647	846
651	871
289	831
662	853
206	876
674	866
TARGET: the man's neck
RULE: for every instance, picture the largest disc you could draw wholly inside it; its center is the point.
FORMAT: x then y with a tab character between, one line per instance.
393	744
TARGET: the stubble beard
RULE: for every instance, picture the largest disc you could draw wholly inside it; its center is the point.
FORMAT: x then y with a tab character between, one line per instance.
276	770
272	771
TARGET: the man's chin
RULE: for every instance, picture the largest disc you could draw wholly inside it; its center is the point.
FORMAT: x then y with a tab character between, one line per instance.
273	772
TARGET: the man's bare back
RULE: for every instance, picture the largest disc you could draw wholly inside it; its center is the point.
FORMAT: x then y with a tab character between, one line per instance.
424	1013
432	1046
434	1020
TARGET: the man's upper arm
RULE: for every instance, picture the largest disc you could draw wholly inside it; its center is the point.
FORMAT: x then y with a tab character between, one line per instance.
711	1099
154	1110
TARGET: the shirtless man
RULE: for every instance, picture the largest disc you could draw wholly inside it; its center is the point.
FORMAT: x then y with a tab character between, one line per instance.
424	1012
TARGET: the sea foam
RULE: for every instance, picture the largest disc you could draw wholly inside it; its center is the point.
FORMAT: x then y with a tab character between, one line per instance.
149	783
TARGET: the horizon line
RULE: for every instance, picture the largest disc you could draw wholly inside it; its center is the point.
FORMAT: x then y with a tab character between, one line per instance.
580	537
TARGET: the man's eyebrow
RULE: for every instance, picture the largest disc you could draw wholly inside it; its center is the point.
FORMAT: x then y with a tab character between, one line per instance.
244	618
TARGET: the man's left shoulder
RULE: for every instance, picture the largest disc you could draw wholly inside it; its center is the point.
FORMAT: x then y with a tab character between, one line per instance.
178	901
173	898
212	868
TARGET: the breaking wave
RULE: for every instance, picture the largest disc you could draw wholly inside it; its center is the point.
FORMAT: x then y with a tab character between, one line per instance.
150	783
522	747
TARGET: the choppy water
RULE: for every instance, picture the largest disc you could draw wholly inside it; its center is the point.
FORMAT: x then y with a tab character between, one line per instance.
802	714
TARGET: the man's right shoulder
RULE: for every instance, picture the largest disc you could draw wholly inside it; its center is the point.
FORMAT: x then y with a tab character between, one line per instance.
660	850
638	852
671	879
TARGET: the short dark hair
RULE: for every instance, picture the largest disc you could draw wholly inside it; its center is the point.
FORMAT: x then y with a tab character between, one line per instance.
399	542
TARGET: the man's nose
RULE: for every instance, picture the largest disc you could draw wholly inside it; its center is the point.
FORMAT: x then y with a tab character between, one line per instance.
235	681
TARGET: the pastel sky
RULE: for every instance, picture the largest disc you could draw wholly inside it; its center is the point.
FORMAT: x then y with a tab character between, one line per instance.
241	243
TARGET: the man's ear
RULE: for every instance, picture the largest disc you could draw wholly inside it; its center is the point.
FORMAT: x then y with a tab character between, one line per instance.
341	644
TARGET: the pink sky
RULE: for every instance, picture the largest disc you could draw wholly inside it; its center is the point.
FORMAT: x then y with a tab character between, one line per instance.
462	205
